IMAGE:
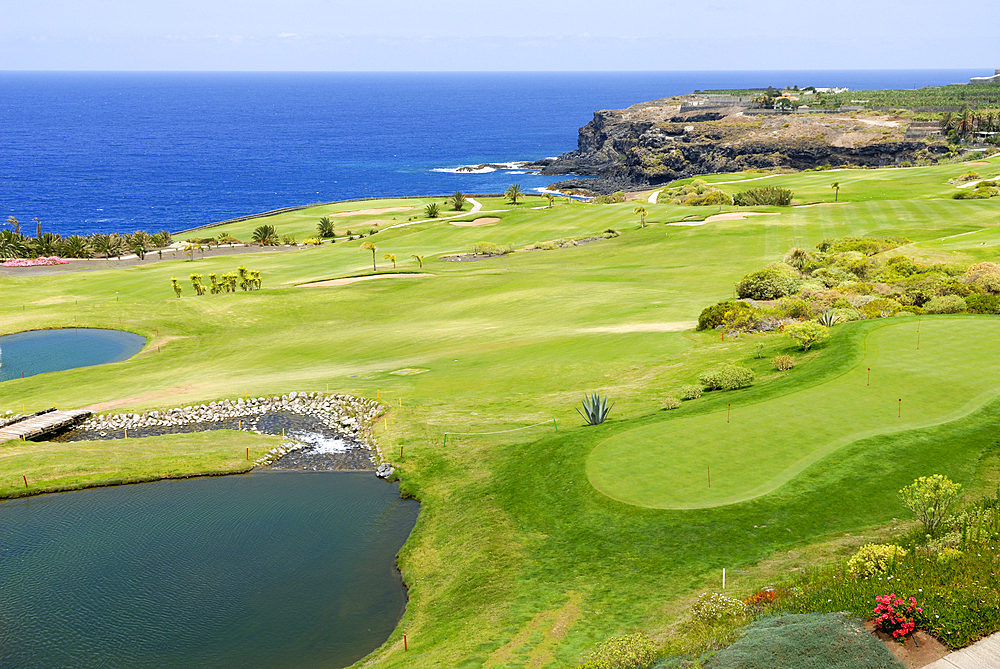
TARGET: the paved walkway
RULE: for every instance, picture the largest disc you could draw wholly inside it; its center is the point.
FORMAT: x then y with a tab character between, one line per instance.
984	654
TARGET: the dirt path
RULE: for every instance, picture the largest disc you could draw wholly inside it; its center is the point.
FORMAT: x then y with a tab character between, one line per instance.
355	279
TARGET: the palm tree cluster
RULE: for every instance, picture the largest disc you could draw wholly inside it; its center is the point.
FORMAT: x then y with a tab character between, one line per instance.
967	122
247	279
14	244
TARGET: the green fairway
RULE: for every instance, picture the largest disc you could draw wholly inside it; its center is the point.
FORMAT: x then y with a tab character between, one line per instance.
755	447
517	559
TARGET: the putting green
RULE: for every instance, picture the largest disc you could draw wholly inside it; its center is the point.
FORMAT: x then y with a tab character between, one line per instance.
666	465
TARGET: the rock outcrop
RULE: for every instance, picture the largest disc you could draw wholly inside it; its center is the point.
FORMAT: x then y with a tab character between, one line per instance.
657	142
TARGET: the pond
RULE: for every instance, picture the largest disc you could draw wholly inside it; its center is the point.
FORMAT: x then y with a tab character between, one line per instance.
41	351
267	569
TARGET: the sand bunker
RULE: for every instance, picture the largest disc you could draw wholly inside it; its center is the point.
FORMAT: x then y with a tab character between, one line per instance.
978	162
625	328
370	212
476	223
355	279
733	216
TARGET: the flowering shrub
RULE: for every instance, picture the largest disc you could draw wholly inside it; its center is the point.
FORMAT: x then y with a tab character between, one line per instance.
691	392
929	497
34	262
727	377
761	598
712	606
873	559
783	363
622	652
671	403
896	615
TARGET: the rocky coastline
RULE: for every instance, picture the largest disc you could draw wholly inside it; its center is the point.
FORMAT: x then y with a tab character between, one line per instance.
654	143
323	432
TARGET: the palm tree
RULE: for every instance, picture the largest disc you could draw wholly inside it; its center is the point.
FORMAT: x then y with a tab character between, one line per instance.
38	230
458	200
514	193
265	235
947	122
47	244
368	246
642	215
432	210
109	245
964	123
836	186
390	257
419	259
75	246
551	198
325	227
13	222
12	245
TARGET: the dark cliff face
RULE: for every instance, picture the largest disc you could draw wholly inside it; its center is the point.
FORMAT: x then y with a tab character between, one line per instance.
625	151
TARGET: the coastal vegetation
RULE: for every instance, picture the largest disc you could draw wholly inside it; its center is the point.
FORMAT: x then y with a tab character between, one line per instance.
554	548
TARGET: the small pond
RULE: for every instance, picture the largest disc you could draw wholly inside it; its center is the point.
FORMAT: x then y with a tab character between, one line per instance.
267	569
41	351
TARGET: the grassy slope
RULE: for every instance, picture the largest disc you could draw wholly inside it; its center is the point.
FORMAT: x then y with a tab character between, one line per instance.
52	466
516	557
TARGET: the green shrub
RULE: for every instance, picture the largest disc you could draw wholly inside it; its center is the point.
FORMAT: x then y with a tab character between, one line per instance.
929	497
712	317
766	195
632	651
882	307
985	276
793	307
741	320
712	606
783	363
690	392
491	249
867	245
874	559
948	304
727	377
769	283
671	403
709	198
983	304
807	333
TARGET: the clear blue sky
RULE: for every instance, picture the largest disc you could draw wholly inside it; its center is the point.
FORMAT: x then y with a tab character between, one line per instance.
483	35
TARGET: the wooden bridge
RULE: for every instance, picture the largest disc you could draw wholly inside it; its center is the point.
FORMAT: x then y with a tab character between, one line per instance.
42	424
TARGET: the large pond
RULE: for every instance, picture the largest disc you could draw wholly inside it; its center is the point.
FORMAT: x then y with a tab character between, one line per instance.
41	351
268	569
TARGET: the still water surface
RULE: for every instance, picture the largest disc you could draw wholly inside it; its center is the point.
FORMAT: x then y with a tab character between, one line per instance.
268	569
41	351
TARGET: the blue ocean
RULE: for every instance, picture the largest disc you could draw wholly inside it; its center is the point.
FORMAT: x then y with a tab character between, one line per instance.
102	152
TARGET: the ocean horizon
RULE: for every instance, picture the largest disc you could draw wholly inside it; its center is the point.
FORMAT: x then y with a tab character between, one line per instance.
92	152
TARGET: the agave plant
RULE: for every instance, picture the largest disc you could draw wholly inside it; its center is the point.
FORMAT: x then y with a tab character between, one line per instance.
595	409
829	318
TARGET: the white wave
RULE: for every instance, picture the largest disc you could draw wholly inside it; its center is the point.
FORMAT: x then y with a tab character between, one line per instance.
484	168
322	444
471	169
